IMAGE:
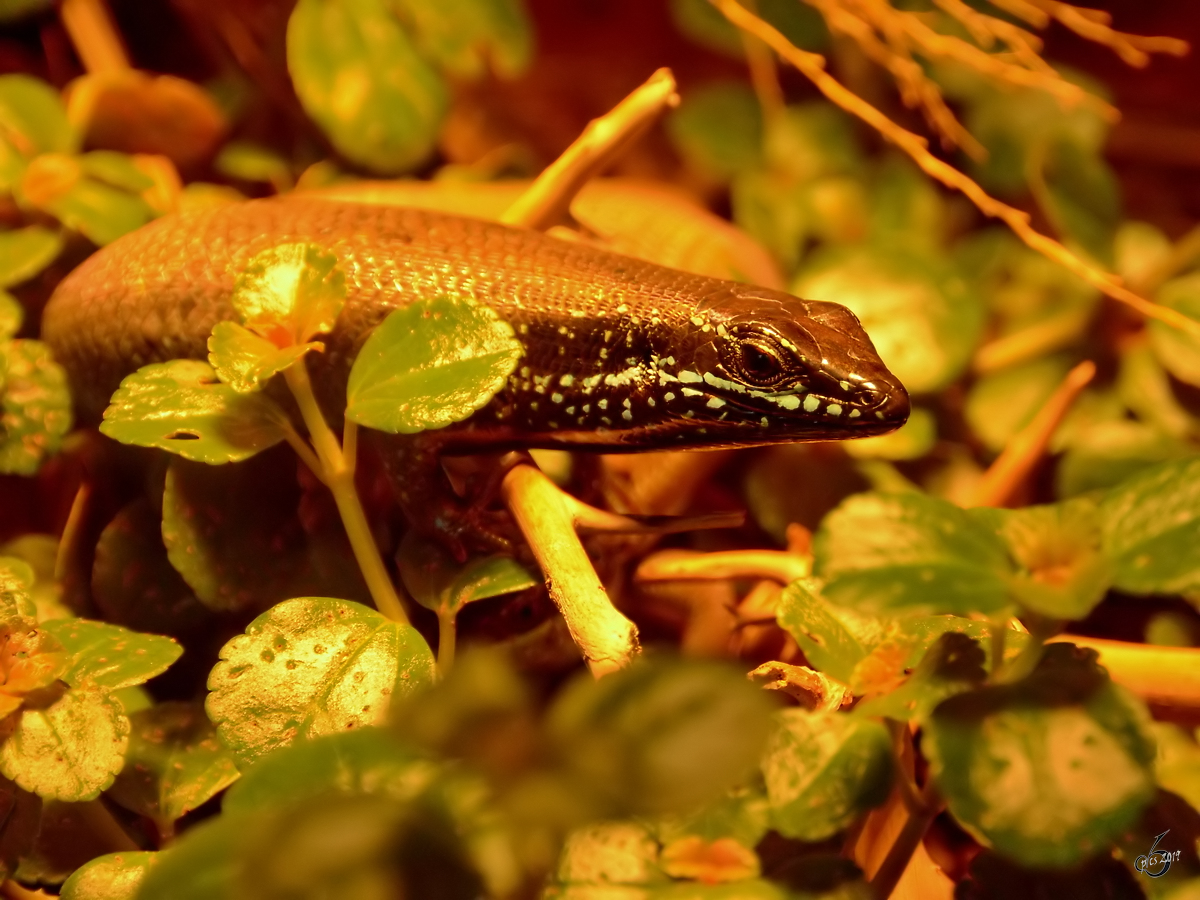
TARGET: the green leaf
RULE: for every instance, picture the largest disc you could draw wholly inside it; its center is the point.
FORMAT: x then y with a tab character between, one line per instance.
358	75
289	293
955	663
743	815
234	534
1062	573
12	314
1001	403
660	736
1082	199
133	581
182	407
174	764
1047	770
362	761
704	24
1151	529
811	141
35	406
26	251
1178	351
1139	249
1105	453
1145	388
923	316
98	211
912	440
244	361
251	162
463	36
609	853
834	640
33	118
436	580
1177	765
910	551
16	579
430	364
823	770
312	666
204	865
772	208
69	749
717	129
114	876
116	169
108	656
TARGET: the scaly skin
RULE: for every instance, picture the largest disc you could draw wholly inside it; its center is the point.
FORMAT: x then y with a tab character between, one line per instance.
621	354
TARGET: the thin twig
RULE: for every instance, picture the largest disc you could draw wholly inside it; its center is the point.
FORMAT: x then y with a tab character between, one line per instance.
812	65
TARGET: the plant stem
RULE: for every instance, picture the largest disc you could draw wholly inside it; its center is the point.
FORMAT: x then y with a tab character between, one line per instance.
918	822
447	639
337	471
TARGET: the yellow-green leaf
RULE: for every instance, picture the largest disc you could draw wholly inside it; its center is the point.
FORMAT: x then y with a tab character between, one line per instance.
289	293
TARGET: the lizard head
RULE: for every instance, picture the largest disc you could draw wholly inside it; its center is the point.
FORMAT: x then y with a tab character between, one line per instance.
788	369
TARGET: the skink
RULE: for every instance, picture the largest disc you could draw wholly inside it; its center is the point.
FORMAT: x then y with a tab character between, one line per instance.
620	354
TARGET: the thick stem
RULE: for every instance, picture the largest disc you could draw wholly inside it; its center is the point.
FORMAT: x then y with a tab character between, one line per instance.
888	874
338	473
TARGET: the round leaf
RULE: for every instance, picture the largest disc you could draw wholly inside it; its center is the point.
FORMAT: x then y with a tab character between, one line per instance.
244	361
26	251
1001	403
312	666
359	76
823	770
718	129
32	117
289	293
1151	528
436	580
180	406
108	656
910	551
430	364
1178	351
35	406
115	876
69	750
1047	770
174	763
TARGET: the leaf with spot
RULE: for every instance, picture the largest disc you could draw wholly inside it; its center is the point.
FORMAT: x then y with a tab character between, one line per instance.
312	666
429	364
290	293
1151	529
24	252
174	764
1047	770
910	552
110	657
182	406
69	747
357	73
35	406
114	876
823	770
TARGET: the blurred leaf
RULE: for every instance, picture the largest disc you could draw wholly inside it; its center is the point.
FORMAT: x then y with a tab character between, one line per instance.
718	129
32	117
108	656
1049	769
906	208
24	252
133	582
252	162
813	140
1169	629
117	169
1145	388
1177	765
430	364
1151	529
823	770
463	36
35	406
923	316
1002	403
174	764
912	440
1138	250
204	864
1062	573
743	815
1103	447
953	664
360	761
312	666
233	533
662	735
114	876
1178	351
57	184
12	314
290	293
609	853
700	21
1082	199
182	407
359	76
69	749
771	208
910	551
245	361
779	493
16	578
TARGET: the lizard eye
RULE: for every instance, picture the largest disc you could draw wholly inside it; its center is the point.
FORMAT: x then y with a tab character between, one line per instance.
759	360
